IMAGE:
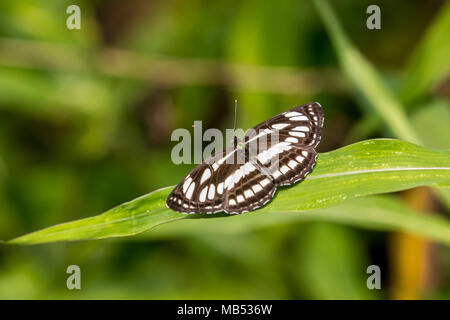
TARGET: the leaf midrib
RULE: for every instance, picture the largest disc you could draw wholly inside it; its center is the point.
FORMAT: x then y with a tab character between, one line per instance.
337	174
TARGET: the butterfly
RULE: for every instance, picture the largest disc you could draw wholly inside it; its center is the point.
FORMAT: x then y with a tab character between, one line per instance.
245	177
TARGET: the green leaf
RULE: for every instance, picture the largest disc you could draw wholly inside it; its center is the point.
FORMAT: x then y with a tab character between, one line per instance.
431	122
429	64
369	85
380	213
324	245
364	78
365	168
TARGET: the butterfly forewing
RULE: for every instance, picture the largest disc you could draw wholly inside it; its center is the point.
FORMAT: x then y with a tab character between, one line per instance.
291	156
278	151
203	189
300	126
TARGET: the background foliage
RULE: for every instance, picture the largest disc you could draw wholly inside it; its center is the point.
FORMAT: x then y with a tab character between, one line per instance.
86	116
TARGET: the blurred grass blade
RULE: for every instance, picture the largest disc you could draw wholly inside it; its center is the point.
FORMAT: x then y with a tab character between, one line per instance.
431	122
430	62
364	168
364	78
368	83
381	213
323	245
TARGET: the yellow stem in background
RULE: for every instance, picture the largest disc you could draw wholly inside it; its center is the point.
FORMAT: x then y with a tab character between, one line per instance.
410	255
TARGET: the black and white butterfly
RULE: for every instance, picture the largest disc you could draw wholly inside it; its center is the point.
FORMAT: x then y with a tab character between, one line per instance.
240	186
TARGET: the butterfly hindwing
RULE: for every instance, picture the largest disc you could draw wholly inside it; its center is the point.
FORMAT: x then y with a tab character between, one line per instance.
293	165
254	191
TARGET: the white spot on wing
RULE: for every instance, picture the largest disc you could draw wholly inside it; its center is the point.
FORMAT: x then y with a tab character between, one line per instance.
257	188
186	184
237	175
250	167
240	198
299	118
202	196
291	139
229	182
211	192
205	176
280	126
276	174
301	128
265	182
278	148
190	190
260	134
284	169
263	157
297	134
293	114
292	164
220	188
248	193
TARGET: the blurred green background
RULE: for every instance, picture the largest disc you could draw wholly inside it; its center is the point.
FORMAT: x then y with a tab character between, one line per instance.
85	123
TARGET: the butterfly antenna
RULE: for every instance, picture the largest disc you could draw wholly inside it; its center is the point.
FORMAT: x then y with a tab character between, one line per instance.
235	113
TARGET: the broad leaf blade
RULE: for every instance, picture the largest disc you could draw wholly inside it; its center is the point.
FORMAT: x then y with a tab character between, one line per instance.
381	213
364	168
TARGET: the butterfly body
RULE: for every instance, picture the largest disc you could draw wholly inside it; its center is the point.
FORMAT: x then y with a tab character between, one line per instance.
245	178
